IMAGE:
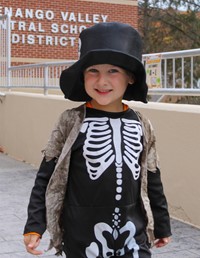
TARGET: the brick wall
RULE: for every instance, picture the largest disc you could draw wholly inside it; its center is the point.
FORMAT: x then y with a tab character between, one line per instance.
37	25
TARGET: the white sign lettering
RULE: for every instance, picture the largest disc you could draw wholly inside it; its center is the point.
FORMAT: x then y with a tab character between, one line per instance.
66	24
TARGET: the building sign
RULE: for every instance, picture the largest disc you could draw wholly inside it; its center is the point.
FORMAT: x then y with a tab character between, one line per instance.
46	27
153	71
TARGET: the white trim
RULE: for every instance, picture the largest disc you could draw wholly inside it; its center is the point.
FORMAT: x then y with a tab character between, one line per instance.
123	2
34	60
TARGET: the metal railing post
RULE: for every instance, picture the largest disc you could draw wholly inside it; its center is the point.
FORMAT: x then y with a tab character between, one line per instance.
192	73
8	40
46	79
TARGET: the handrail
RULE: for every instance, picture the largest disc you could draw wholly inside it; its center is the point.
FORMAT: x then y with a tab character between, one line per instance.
176	54
46	64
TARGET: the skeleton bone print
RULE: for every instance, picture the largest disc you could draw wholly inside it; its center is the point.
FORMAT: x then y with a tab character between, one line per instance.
102	147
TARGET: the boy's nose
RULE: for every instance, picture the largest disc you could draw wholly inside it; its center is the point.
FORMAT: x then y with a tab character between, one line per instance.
102	80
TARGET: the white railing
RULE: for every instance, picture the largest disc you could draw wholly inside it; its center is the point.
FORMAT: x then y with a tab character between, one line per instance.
180	72
44	76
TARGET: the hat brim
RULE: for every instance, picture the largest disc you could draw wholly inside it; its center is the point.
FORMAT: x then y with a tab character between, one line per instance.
72	84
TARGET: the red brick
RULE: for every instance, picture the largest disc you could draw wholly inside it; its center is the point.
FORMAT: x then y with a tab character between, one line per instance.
115	12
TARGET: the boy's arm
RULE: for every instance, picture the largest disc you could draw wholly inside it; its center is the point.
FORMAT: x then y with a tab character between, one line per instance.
158	203
36	221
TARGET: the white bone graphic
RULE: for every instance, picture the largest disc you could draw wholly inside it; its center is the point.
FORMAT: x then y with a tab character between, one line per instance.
102	147
98	150
92	251
131	136
98	138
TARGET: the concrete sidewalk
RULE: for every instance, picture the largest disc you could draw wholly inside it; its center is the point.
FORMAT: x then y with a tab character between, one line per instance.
16	181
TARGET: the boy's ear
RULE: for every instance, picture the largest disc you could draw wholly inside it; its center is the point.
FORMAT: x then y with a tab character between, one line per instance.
131	79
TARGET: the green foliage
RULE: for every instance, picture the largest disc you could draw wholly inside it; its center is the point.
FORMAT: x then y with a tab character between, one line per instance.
169	25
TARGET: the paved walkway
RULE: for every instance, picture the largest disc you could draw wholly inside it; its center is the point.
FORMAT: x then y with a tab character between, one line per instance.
16	181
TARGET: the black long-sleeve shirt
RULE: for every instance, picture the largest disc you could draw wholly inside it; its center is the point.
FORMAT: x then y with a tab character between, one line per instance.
36	221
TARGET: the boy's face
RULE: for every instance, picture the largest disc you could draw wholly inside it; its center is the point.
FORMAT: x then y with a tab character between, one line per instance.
106	85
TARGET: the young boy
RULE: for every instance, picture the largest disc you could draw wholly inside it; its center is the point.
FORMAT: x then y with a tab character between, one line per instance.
98	190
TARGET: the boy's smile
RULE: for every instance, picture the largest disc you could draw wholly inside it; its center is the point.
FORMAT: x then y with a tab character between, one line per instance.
106	85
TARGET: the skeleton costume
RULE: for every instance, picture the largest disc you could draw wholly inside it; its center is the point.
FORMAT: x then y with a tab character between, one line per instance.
103	196
98	190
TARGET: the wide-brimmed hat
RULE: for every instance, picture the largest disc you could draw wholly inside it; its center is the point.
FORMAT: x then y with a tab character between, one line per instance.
107	43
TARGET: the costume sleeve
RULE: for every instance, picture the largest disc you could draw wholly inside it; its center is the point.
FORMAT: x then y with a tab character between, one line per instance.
155	190
158	205
36	221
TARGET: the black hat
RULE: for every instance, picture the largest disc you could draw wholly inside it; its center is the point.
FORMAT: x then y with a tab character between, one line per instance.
107	43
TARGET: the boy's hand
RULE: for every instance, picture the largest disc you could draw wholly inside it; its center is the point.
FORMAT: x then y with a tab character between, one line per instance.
32	242
162	242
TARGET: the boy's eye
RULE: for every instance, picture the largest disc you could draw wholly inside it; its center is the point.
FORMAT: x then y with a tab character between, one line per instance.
92	70
113	71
